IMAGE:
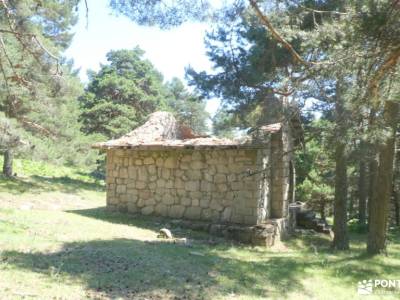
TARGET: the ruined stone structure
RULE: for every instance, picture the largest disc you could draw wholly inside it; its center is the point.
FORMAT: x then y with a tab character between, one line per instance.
162	169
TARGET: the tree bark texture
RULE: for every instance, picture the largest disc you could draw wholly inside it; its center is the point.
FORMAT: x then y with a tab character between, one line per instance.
340	240
382	182
396	202
8	163
396	184
362	193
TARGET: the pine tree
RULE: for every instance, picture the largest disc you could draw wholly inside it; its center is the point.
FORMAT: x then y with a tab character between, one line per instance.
188	107
121	95
33	36
126	90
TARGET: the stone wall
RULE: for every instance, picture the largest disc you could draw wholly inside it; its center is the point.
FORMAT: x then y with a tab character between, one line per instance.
280	165
212	185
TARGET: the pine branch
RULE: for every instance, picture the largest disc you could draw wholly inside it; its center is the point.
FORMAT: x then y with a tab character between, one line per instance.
323	11
36	127
281	40
18	35
267	23
389	64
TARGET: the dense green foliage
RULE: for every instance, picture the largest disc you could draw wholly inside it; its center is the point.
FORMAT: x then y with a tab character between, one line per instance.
164	14
249	68
315	168
39	90
123	92
188	107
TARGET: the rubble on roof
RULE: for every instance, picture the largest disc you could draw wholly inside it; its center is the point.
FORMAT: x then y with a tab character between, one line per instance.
162	130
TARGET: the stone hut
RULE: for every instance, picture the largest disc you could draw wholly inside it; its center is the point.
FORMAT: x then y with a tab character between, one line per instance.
162	168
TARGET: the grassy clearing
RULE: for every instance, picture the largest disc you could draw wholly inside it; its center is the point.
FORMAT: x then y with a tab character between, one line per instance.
43	186
75	249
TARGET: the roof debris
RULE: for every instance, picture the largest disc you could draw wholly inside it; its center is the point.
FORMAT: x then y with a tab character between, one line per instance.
163	131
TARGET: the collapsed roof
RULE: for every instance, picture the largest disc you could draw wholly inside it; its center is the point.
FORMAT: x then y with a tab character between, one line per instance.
163	131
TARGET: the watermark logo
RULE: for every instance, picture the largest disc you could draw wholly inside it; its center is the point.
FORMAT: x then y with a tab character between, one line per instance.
378	286
365	287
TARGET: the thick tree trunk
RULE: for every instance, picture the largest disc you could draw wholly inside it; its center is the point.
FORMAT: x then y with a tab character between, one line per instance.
382	183
396	184
373	171
292	182
372	164
8	163
396	187
362	193
396	202
340	240
351	206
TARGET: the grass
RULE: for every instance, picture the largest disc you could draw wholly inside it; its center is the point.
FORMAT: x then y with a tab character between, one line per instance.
58	242
45	186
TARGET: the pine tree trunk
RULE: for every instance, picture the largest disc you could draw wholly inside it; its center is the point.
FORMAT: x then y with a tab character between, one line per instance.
396	185
340	240
382	183
351	206
362	193
396	202
292	182
373	171
8	163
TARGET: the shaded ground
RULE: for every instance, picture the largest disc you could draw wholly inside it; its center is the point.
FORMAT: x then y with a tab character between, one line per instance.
67	246
41	186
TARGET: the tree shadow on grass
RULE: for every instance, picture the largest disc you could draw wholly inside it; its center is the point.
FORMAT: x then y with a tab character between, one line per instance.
68	184
151	222
353	265
312	252
131	268
116	217
37	184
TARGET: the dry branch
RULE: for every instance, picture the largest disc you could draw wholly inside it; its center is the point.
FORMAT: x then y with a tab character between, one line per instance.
36	127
